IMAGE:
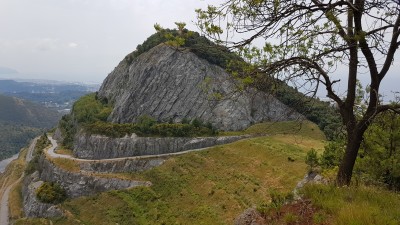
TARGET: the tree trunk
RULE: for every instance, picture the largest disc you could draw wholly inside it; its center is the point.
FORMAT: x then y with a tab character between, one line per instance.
346	167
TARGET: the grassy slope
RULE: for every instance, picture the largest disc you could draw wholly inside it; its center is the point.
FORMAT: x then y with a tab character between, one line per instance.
215	185
207	187
355	205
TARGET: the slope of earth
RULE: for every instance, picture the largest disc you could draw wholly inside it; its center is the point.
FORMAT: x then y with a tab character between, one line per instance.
208	187
21	121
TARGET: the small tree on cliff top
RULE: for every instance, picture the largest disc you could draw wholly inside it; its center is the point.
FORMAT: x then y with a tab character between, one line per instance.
308	40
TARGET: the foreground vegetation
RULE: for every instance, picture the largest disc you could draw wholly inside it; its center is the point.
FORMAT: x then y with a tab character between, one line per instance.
208	187
354	205
214	186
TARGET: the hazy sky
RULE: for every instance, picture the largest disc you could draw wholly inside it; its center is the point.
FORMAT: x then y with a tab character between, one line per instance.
81	40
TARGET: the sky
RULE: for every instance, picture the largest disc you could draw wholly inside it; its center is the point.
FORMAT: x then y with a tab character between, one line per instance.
81	40
84	40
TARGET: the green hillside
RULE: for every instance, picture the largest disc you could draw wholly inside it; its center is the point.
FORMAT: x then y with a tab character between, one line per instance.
17	111
20	121
216	185
208	187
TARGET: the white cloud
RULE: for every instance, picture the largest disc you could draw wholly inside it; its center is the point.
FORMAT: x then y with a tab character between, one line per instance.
46	44
72	45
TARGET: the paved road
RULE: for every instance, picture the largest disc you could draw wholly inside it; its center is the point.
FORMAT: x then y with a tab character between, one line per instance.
4	209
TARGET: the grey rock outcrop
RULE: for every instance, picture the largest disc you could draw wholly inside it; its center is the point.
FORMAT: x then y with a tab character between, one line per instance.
250	217
79	184
167	83
309	178
121	165
102	147
31	205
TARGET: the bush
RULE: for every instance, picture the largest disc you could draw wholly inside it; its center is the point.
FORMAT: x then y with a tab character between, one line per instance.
312	159
51	193
41	144
148	126
89	109
333	154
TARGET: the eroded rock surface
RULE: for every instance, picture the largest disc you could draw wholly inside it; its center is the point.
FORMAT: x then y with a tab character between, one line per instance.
79	184
32	206
170	84
102	147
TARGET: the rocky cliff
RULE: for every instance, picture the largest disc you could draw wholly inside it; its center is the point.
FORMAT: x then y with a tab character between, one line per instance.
80	184
31	205
171	84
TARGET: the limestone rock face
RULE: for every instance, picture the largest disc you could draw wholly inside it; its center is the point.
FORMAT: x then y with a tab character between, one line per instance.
80	184
32	206
98	147
170	84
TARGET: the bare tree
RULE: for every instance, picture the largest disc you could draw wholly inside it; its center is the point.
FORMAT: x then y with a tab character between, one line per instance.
308	40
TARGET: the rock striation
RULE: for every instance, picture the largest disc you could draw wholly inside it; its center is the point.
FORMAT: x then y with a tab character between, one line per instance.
79	184
102	147
122	165
170	84
31	205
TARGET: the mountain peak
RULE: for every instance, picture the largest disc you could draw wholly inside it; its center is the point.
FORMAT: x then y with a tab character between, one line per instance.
171	84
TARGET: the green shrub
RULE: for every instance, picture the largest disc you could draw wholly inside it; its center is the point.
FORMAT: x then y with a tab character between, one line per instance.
332	154
312	159
89	109
41	144
51	193
148	126
68	129
278	199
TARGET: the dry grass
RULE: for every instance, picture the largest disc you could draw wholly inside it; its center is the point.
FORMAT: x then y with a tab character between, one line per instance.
64	151
15	202
355	205
299	128
208	187
122	176
12	173
67	164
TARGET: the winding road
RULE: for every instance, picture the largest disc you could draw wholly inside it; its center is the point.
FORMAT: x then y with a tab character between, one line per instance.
51	152
4	209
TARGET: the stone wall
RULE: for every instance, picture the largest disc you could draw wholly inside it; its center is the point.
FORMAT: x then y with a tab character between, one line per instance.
80	184
121	165
102	147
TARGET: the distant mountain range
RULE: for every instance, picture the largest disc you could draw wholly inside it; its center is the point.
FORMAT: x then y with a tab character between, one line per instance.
6	70
20	121
51	94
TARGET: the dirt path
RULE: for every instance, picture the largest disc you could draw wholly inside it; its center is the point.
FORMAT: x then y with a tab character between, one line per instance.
4	209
